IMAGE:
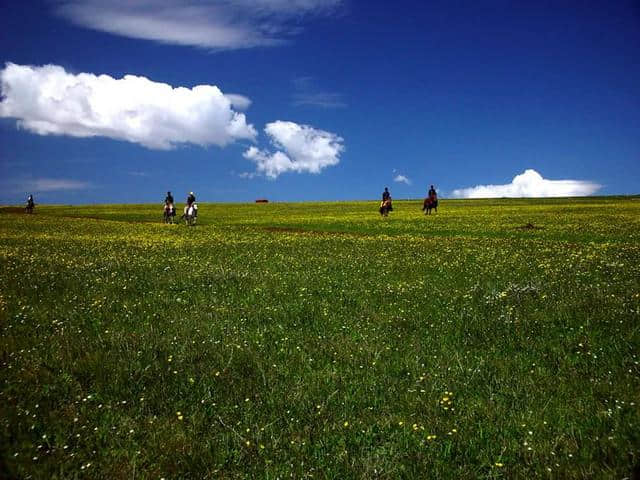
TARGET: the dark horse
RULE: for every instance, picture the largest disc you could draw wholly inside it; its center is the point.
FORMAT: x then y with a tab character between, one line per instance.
430	203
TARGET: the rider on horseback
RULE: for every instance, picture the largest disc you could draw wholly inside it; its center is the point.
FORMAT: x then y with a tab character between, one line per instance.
190	209
30	204
433	198
385	204
169	208
431	202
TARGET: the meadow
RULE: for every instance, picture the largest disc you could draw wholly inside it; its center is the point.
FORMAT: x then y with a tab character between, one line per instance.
495	339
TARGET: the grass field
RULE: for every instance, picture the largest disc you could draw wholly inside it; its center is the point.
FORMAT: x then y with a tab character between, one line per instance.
496	339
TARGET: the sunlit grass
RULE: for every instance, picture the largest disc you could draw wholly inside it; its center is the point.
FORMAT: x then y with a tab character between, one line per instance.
494	339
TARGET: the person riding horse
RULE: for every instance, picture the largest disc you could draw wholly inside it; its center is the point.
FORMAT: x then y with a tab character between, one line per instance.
386	205
431	202
30	204
191	199
169	208
190	209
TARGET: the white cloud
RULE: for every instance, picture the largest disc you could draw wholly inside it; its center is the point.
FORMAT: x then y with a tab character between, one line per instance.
319	99
57	184
215	24
48	100
530	184
301	148
239	102
40	185
248	175
306	93
402	179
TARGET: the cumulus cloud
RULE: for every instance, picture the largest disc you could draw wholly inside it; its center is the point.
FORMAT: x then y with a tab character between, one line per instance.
239	102
215	24
402	179
300	148
48	100
530	184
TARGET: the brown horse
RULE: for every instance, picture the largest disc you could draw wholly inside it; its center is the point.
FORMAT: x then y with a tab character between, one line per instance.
430	203
385	207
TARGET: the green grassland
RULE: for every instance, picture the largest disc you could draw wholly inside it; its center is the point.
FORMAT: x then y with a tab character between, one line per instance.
496	339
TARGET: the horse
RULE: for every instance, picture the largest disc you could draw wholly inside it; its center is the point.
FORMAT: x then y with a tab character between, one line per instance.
29	208
430	203
169	213
190	214
385	207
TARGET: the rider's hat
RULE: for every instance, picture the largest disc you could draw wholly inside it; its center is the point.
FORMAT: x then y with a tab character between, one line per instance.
190	193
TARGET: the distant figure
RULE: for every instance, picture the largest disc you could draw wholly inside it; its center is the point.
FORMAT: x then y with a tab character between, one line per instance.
433	198
169	209
431	202
190	210
386	205
190	199
30	204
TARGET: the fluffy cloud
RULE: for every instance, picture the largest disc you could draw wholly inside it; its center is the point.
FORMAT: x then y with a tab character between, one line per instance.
530	184
301	148
216	24
239	102
48	100
402	179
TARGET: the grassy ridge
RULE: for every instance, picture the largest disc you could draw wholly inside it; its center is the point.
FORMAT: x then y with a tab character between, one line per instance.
321	340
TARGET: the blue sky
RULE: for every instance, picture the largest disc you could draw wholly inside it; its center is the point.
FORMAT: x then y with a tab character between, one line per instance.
317	99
